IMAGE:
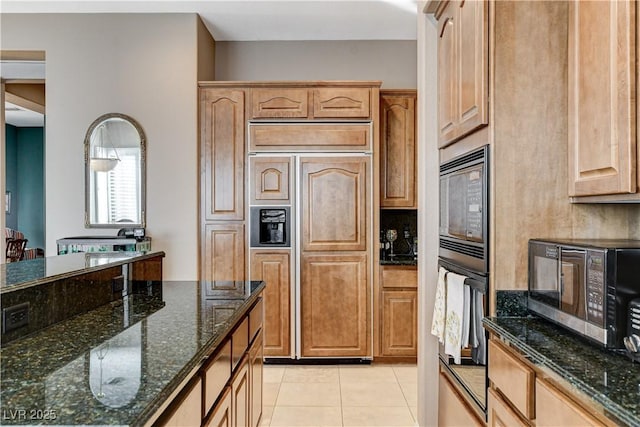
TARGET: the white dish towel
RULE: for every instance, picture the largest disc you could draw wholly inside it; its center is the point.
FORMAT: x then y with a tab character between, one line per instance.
455	310
440	306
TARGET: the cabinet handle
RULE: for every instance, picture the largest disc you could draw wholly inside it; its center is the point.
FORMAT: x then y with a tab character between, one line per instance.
461	4
448	21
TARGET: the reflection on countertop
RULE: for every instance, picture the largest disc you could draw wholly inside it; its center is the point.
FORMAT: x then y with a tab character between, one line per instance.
117	364
22	274
609	379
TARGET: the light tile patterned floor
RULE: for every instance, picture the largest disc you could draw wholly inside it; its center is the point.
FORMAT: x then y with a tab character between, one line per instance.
340	395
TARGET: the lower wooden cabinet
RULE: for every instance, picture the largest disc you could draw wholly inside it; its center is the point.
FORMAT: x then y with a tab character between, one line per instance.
256	369
221	416
399	333
398	317
500	414
240	395
513	377
554	408
187	408
273	267
452	409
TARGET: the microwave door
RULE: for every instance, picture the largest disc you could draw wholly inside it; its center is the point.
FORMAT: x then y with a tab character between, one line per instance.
544	283
572	282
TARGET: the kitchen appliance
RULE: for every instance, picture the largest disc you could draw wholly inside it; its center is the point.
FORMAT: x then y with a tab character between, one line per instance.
464	210
270	226
464	249
585	285
319	297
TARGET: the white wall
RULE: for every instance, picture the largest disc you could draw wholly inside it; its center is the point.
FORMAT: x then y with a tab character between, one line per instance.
428	184
393	62
143	65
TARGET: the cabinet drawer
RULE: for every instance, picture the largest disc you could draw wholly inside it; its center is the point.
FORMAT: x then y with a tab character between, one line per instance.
216	375
309	137
399	277
341	103
186	409
279	103
500	415
512	377
239	342
452	409
556	409
256	318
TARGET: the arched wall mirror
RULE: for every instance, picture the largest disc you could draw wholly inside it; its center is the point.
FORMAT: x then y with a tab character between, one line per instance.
115	173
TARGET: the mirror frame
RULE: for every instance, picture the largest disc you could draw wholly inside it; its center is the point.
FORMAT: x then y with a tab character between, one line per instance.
143	172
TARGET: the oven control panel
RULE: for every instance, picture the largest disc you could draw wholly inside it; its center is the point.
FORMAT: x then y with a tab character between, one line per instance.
595	287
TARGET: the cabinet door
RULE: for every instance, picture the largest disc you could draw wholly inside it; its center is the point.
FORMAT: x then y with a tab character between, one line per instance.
335	305
602	98
240	395
309	137
270	180
341	103
221	415
222	151
553	408
398	148
452	409
399	323
187	408
447	75
256	375
499	413
473	45
335	202
224	253
279	103
273	268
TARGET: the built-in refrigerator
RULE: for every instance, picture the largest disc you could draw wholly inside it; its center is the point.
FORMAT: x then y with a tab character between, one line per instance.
310	239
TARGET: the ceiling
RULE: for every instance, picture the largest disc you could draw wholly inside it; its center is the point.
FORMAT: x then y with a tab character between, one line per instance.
21	117
252	20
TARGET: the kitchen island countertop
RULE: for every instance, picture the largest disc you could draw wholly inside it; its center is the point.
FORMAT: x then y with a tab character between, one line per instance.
117	364
610	380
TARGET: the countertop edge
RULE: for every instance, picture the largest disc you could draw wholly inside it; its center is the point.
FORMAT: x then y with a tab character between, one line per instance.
156	407
538	359
75	273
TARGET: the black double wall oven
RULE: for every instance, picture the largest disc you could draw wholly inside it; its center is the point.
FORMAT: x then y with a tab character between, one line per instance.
464	250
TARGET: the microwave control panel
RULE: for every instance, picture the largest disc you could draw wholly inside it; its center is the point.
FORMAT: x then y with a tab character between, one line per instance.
595	287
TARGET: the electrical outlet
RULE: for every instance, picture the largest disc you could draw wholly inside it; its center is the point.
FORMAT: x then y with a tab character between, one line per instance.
117	284
15	317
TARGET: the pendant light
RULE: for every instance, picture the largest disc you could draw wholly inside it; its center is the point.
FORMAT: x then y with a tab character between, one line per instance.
104	164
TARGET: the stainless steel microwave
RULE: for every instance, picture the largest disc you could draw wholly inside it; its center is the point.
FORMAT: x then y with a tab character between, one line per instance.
585	285
464	208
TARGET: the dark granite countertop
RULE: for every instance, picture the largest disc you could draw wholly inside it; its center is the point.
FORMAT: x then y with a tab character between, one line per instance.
609	379
19	275
117	364
399	260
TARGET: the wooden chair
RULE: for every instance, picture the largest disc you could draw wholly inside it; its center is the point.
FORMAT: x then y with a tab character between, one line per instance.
15	249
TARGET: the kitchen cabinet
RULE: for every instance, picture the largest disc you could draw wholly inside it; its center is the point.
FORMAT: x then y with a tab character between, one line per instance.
554	408
335	220
240	395
398	149
222	158
452	409
399	311
333	103
223	255
290	137
512	377
603	151
221	416
256	377
335	305
499	414
215	376
463	69
187	408
269	103
270	176
273	267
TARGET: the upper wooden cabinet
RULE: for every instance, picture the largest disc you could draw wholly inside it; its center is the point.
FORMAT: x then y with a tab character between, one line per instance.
222	153
335	203
291	137
463	69
279	103
603	155
270	176
329	103
398	149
